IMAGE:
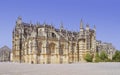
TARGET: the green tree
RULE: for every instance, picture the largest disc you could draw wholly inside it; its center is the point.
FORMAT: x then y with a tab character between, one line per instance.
88	57
116	56
97	58
103	56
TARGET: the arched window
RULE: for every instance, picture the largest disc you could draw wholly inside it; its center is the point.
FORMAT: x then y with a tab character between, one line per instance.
51	48
53	35
39	47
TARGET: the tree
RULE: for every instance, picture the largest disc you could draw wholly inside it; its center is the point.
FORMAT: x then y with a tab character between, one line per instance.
88	57
97	58
103	56
116	56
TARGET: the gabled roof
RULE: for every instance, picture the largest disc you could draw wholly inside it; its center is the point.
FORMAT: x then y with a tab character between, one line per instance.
5	48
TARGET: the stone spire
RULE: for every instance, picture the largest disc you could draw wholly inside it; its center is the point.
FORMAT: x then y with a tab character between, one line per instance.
81	24
81	27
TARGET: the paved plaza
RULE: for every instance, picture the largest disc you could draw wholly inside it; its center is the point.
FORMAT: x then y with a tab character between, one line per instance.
60	69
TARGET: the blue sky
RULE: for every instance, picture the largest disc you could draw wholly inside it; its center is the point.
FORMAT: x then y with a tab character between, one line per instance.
105	14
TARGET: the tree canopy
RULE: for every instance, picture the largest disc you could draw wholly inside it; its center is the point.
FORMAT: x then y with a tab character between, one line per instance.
116	56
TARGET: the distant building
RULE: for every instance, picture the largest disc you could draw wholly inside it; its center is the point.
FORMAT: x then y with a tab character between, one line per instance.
107	47
5	54
45	44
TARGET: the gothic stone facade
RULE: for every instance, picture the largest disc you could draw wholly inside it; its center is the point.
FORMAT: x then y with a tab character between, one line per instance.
107	47
44	44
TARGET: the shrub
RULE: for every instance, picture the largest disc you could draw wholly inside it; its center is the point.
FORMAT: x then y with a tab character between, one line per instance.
103	56
88	57
97	58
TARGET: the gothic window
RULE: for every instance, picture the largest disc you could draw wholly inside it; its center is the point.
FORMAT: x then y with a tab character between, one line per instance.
39	47
53	35
51	48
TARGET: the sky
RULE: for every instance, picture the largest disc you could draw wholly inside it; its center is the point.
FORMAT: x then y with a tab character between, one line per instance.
105	14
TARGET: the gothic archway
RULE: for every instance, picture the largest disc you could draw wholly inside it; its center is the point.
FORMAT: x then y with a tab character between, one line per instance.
52	48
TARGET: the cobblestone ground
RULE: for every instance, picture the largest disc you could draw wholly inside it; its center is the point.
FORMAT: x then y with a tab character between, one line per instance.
60	69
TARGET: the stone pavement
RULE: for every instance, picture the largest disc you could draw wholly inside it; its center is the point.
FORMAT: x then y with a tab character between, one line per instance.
60	69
